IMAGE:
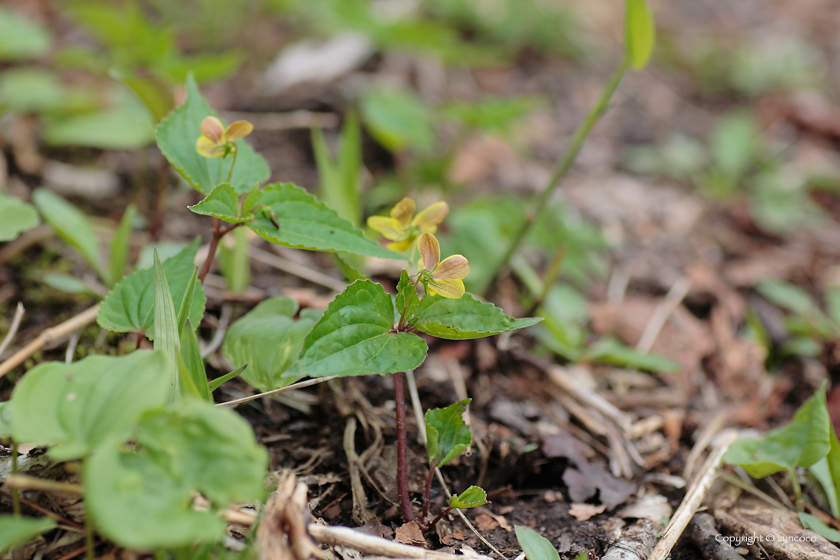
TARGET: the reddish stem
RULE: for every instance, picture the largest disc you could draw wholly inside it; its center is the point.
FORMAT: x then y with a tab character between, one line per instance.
427	493
402	448
439	517
218	233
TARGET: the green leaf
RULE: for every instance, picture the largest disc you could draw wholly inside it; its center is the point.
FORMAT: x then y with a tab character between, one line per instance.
129	306
235	261
121	243
447	435
167	337
609	350
307	223
222	203
268	340
464	318
5	419
176	136
20	530
639	33
355	337
125	124
339	180
351	273
814	523
143	499
788	296
473	496
16	217
803	442
75	407
407	299
535	547
734	144
155	94
822	472
398	120
69	284
187	301
71	226
219	381
20	37
193	364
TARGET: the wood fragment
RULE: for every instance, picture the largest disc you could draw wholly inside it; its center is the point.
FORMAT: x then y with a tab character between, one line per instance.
693	498
52	334
704	534
635	542
283	534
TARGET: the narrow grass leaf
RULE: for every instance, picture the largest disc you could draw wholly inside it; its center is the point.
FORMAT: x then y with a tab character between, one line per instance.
121	243
639	33
166	324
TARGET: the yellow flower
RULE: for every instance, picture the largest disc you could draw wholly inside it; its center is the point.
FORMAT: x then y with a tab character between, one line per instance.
444	278
216	141
403	226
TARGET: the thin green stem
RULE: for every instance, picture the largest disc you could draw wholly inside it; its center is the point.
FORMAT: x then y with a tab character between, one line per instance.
90	552
230	173
565	163
15	491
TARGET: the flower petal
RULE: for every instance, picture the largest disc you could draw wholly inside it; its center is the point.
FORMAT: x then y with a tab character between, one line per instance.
404	245
452	289
403	212
212	128
454	267
388	227
209	149
429	249
237	130
429	218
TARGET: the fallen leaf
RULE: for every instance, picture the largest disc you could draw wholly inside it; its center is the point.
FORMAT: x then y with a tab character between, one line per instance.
485	523
410	533
582	512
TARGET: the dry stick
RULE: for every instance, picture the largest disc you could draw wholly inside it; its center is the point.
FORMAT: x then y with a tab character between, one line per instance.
24	482
402	447
13	328
296	269
693	498
565	163
660	315
71	525
368	544
292	387
706	436
57	332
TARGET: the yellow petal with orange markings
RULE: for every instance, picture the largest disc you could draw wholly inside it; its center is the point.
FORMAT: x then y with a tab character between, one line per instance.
404	245
429	249
429	218
212	128
452	268
403	212
452	289
237	130
205	147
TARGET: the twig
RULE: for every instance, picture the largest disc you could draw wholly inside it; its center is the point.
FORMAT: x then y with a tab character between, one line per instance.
24	482
750	488
417	407
71	348
43	511
221	329
361	512
660	315
704	534
693	498
368	544
13	328
57	332
296	269
292	387
709	432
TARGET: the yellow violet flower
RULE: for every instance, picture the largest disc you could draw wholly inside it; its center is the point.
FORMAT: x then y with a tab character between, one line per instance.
403	226
217	141
444	278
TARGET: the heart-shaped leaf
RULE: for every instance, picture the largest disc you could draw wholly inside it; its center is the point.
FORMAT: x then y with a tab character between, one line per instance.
447	435
222	203
355	337
141	497
464	318
268	340
306	223
75	407
176	136
129	306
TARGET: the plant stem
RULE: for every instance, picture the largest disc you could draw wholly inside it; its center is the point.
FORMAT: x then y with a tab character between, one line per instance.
15	491
230	173
218	233
565	163
89	545
439	517
402	448
427	493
